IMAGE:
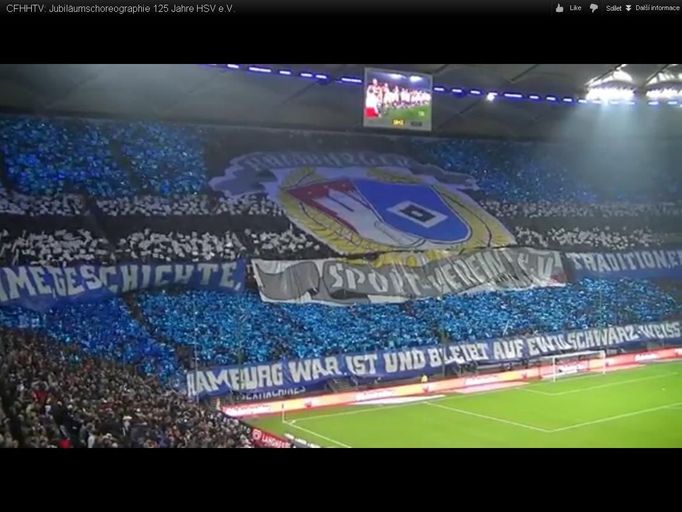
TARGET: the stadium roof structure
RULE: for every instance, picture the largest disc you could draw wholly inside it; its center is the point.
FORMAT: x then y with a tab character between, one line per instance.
315	96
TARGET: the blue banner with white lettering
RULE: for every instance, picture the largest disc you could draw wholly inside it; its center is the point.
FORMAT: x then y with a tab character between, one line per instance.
640	264
42	288
408	363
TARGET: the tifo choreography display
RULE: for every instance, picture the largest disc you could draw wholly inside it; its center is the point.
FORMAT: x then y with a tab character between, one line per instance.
42	288
397	277
418	361
198	264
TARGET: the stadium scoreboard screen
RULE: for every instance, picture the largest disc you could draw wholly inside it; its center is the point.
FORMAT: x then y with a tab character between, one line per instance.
397	99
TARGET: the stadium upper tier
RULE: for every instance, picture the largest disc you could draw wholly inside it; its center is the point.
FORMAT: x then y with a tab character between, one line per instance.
114	159
95	191
110	191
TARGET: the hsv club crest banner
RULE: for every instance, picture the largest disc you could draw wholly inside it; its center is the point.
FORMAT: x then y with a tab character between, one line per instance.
359	203
398	277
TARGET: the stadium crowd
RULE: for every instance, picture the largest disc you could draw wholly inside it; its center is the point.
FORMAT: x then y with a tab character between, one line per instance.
291	243
111	160
150	206
102	159
58	248
196	204
231	330
123	192
160	332
105	170
64	247
252	204
148	246
67	205
57	396
541	173
546	209
577	239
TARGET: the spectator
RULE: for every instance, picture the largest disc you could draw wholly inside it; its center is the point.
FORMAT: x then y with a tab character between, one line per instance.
99	404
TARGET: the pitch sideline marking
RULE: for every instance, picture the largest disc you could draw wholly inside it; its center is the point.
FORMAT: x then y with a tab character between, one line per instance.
571	391
492	418
617	417
360	411
317	435
381	408
407	404
593	373
590	374
500	420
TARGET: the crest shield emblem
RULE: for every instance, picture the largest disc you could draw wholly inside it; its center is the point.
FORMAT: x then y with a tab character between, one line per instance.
364	202
397	214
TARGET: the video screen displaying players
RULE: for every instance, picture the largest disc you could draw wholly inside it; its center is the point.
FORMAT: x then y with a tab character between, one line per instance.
395	99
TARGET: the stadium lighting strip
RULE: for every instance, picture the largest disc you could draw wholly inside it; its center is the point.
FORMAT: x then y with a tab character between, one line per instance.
457	92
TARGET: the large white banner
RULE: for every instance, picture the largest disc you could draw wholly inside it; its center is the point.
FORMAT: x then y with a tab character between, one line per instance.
398	277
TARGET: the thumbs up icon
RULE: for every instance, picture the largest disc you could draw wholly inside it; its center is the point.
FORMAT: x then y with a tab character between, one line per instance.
559	8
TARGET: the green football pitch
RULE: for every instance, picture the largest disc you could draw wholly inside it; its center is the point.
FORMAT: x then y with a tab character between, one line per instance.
640	407
419	113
